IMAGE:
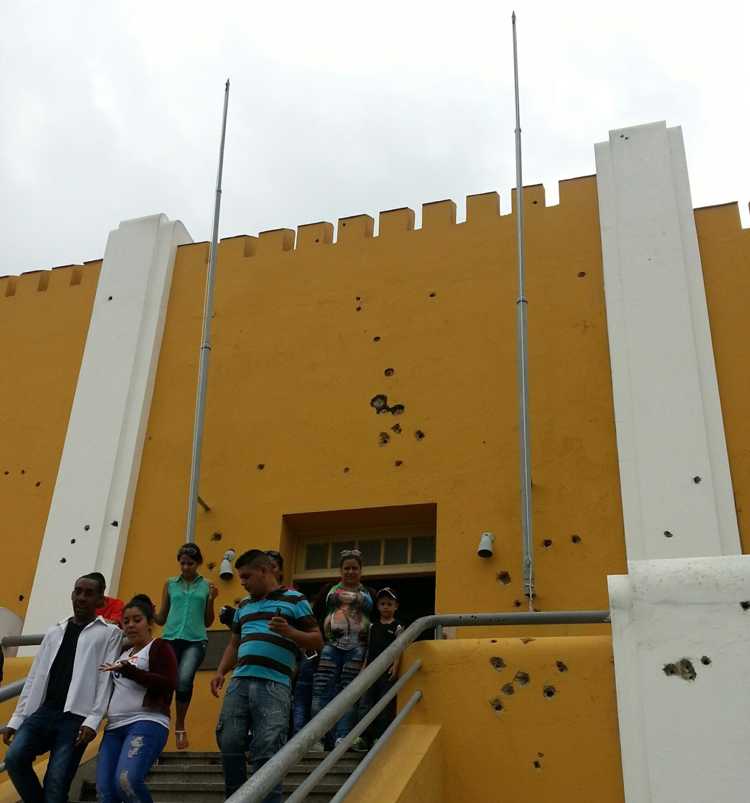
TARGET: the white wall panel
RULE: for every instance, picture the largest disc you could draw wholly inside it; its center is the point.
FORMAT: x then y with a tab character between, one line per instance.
674	470
683	740
91	505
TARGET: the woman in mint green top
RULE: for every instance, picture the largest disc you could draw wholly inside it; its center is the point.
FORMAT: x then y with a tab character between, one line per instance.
187	609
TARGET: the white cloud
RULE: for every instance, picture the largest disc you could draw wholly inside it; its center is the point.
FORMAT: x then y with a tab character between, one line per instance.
112	110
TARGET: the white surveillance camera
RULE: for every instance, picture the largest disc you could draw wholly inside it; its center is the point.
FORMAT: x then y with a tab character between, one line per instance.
485	545
225	570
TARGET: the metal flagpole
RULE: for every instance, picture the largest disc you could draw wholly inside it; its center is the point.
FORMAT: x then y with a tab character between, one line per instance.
523	361
205	350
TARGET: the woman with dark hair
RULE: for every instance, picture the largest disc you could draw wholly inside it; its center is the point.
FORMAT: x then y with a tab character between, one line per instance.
187	609
144	678
348	608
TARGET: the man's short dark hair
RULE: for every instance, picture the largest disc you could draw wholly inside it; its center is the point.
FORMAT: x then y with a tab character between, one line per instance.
255	558
98	578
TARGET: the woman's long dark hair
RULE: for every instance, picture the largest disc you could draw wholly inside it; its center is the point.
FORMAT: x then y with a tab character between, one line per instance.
144	605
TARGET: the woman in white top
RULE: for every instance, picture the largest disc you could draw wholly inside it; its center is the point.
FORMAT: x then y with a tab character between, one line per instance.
138	717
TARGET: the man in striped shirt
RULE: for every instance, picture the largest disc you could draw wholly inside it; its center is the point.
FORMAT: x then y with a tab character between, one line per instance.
270	626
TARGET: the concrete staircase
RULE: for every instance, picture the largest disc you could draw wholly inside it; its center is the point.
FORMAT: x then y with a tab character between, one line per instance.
197	778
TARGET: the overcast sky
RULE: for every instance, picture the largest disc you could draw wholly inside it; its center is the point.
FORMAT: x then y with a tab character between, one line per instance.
111	110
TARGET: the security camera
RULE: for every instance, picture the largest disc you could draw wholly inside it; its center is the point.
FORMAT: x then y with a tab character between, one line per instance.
485	545
225	570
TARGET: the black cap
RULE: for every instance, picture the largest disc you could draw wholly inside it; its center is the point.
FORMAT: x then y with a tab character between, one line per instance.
387	592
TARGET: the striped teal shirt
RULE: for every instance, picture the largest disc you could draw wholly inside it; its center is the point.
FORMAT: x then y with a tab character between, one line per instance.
263	653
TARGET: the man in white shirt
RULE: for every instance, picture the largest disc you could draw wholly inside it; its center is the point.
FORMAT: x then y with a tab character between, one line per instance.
64	698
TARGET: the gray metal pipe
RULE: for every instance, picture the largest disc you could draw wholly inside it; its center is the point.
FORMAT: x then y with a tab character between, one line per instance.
264	780
325	766
11	690
31	640
205	351
376	748
523	357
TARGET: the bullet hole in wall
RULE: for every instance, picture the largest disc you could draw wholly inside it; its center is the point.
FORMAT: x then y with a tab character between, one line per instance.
261	466
419	435
433	294
576	539
398	463
63	560
359	309
522	678
21	598
496	662
36	485
706	661
397	409
683	668
508	689
516	603
496	704
745	605
581	274
549	691
346	469
389	371
547	543
376	339
216	536
396	428
696	480
379	403
86	527
383	438
115	523
561	666
537	764
23	471
667	534
211	566
527	640
504	577
72	540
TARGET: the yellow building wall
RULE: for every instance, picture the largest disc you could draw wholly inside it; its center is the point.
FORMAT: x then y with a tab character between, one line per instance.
296	361
44	317
553	737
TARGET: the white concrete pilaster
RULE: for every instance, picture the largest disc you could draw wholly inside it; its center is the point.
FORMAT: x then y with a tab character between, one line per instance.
91	505
674	469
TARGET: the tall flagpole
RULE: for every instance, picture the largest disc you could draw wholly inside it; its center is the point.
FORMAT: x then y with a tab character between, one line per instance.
523	359
205	350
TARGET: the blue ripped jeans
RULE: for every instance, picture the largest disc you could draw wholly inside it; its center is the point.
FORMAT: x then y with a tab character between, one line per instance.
125	757
45	729
254	718
337	668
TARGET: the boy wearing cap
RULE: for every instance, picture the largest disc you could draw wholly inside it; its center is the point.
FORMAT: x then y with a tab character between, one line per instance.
380	636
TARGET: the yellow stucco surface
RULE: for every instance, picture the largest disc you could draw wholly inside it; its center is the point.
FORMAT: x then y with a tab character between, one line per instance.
44	317
551	736
725	255
295	364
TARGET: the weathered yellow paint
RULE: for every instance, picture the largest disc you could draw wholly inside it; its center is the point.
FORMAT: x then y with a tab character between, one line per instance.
725	254
44	317
295	365
536	748
409	769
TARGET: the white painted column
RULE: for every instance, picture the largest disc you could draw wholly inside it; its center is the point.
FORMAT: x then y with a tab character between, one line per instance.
674	470
678	622
680	637
91	505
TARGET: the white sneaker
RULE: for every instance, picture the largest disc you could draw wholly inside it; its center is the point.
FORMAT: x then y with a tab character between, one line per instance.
317	748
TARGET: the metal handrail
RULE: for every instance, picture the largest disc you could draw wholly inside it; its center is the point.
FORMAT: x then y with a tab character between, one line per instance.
327	764
359	770
33	640
269	775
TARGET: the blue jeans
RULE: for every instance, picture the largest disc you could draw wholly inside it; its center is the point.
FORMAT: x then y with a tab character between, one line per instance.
125	757
337	668
302	698
190	655
45	729
254	718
